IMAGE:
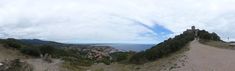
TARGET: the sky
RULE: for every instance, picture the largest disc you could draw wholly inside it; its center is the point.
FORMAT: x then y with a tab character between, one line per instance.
113	21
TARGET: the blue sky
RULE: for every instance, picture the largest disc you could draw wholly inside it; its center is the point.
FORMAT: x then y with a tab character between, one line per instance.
113	21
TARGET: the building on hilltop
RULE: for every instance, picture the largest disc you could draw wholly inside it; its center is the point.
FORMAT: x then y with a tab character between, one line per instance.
194	31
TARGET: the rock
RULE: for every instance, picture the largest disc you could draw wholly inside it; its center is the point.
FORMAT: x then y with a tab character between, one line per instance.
1	64
15	65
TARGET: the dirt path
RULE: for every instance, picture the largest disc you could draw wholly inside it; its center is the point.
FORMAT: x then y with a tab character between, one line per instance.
41	65
206	58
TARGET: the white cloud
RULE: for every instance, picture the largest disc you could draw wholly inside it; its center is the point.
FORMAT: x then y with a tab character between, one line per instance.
109	20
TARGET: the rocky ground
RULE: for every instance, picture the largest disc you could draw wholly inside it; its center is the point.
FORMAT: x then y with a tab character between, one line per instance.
8	57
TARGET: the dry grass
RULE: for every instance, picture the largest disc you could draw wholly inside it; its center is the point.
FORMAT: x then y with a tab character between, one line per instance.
10	54
218	44
67	66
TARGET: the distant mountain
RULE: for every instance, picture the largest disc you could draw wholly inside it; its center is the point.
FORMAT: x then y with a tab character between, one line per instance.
119	46
37	42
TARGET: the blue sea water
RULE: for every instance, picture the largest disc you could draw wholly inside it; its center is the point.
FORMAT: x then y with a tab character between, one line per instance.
131	47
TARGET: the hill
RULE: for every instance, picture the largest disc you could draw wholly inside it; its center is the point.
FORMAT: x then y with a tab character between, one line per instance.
194	57
172	45
38	52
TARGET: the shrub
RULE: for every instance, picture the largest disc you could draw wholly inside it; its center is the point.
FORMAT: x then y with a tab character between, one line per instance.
208	36
36	51
10	42
138	58
163	49
46	49
33	51
119	56
171	45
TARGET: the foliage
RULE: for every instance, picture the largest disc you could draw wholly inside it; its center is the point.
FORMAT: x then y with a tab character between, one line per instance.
46	49
171	45
138	58
75	57
105	60
72	56
31	51
208	36
11	42
163	49
36	51
119	56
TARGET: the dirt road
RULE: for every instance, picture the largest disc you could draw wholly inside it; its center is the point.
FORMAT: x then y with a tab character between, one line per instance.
40	65
206	58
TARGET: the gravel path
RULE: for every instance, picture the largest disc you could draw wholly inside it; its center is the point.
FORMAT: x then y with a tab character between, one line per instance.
206	58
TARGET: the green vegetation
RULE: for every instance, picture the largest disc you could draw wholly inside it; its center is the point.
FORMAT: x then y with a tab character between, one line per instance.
163	49
72	56
119	56
32	51
202	34
171	45
11	42
77	57
47	49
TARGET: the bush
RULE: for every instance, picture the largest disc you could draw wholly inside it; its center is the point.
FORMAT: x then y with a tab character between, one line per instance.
10	42
36	51
138	58
46	49
31	51
119	56
171	45
208	36
163	49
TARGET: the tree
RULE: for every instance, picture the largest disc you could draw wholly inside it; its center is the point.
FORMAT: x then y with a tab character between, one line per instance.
11	42
46	49
163	49
119	56
33	51
215	37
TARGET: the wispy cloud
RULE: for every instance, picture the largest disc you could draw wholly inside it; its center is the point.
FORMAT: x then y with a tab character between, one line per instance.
120	21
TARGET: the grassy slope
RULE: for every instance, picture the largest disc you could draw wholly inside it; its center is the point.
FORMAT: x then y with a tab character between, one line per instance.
37	63
218	44
10	54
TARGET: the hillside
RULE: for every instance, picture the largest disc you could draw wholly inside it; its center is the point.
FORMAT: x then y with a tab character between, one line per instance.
172	45
183	52
194	57
45	55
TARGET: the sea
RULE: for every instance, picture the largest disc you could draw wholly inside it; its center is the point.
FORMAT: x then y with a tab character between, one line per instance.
131	47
